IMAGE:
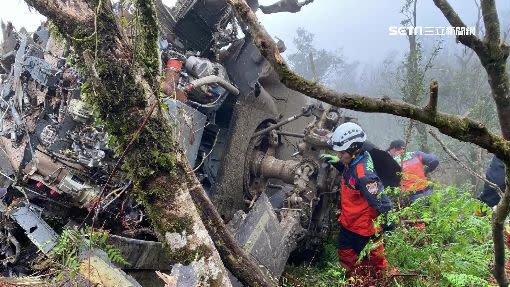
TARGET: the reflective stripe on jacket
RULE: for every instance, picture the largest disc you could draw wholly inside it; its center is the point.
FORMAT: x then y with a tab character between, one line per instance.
413	170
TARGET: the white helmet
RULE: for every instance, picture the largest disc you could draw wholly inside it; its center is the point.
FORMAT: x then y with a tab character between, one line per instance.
345	135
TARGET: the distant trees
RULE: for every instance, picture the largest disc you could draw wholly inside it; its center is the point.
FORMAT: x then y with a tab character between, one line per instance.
314	64
493	53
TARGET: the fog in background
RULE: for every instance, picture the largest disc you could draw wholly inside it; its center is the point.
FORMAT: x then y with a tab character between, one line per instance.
373	61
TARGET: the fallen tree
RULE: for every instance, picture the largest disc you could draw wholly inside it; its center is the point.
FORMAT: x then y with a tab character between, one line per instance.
493	54
122	85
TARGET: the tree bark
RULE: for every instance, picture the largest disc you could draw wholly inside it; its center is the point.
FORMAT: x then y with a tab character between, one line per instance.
122	85
493	53
498	236
415	86
463	129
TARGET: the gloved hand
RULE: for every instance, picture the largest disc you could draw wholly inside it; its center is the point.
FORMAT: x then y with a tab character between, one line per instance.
330	158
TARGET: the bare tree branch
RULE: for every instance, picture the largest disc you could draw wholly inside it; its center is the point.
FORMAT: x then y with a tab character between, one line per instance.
463	129
478	19
493	55
453	18
498	236
463	165
491	22
432	105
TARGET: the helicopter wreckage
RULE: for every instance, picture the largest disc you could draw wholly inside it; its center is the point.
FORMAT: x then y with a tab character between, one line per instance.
254	145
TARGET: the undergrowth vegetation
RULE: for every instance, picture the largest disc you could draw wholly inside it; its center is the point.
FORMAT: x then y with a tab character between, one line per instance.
453	248
73	243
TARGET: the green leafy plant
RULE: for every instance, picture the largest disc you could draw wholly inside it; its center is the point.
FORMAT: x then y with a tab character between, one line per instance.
453	248
72	242
464	280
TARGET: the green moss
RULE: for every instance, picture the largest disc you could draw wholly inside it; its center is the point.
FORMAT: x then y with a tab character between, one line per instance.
156	193
56	34
165	222
118	103
158	198
217	282
359	102
186	256
147	52
170	223
165	160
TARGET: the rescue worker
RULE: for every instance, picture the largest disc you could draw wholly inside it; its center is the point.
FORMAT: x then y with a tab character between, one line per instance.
495	174
361	201
415	167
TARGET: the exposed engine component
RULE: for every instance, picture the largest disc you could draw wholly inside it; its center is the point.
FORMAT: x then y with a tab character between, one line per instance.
201	67
229	112
303	175
201	83
78	189
88	146
55	154
48	135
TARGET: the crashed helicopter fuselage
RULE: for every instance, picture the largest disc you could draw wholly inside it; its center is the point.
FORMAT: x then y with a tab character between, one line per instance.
253	144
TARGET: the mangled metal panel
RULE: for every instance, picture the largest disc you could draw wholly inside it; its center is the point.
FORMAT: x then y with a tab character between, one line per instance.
141	254
244	65
41	71
264	237
41	36
37	230
6	171
203	18
189	127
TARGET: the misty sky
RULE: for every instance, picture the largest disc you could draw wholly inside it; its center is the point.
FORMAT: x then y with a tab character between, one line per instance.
360	28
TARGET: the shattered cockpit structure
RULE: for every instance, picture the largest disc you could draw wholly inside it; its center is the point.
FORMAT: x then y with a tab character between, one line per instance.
253	143
54	157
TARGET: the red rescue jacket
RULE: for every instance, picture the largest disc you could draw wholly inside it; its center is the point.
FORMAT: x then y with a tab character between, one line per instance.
360	199
413	170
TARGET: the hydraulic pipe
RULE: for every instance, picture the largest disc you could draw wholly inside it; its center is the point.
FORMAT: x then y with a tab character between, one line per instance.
289	134
305	111
213	79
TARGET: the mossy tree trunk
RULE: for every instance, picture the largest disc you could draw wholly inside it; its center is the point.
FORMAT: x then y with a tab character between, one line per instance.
122	87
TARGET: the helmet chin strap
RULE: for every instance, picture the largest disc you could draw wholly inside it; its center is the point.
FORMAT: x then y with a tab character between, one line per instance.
353	151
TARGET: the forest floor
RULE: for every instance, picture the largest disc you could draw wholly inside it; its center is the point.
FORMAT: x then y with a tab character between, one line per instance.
453	249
